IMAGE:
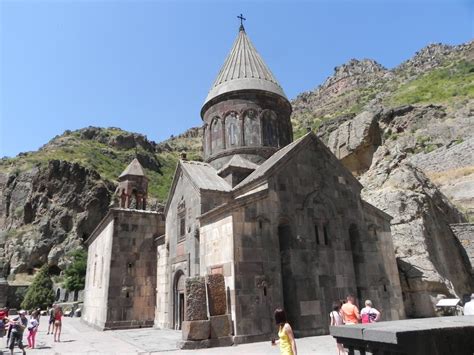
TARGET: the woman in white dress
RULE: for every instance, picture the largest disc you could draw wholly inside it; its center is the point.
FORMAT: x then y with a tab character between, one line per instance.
336	319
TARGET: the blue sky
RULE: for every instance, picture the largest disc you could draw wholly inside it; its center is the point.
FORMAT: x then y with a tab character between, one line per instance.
146	66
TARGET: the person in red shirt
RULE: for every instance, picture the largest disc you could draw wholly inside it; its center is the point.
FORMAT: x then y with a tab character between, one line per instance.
349	311
3	313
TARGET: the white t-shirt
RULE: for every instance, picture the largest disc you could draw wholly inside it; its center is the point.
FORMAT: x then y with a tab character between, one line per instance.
32	323
371	311
337	318
469	308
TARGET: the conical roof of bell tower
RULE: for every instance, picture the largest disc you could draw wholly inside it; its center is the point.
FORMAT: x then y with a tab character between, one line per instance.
244	69
134	168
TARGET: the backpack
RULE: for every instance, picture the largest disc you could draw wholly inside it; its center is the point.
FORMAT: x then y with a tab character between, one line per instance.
365	318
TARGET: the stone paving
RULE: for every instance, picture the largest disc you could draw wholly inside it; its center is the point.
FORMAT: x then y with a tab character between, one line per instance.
78	338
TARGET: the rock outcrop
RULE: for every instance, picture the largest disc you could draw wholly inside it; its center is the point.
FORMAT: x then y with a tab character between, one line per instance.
47	212
465	234
431	260
355	141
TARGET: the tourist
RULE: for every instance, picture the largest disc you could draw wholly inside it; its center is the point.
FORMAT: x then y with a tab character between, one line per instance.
51	319
3	324
38	314
336	319
58	315
17	327
350	312
469	307
33	325
285	333
369	314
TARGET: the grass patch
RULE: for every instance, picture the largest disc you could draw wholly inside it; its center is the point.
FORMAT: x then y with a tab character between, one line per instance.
450	175
438	86
108	161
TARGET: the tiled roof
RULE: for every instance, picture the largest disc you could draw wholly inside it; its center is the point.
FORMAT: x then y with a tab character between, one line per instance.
204	176
238	162
134	168
244	69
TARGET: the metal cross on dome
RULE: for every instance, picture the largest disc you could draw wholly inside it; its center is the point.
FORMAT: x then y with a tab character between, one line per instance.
242	19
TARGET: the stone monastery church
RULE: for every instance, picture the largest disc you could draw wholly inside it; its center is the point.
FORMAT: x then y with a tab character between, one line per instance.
280	221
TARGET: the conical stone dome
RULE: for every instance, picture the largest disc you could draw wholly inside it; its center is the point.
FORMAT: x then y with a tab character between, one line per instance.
246	111
244	69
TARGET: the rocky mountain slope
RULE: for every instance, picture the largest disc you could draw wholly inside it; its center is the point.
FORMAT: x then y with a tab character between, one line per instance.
405	132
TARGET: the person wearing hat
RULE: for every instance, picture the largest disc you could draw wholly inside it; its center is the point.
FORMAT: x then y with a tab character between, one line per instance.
469	307
17	327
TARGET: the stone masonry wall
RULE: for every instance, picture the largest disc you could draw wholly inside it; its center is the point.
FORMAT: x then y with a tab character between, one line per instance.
162	317
97	281
132	285
293	248
217	253
183	255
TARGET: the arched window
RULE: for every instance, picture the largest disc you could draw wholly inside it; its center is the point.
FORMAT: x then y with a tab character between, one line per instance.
233	131
284	133
217	141
270	128
181	220
205	140
252	131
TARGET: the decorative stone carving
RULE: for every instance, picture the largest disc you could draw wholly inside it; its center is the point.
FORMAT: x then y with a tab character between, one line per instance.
195	299
216	292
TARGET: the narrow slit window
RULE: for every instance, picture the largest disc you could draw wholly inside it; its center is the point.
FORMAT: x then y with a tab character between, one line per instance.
316	233
326	235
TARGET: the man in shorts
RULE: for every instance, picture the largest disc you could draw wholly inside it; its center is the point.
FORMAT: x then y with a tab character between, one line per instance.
51	319
17	326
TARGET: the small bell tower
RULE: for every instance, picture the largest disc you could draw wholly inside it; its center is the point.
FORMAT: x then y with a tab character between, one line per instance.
133	187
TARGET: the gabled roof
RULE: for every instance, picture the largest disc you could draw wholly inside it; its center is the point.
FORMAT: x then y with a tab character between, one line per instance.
238	162
284	154
272	161
244	69
204	176
201	175
134	168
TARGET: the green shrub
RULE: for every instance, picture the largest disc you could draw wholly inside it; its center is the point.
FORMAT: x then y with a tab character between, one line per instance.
75	274
40	292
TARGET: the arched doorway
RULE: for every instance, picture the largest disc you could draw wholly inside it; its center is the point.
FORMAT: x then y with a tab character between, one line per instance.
178	309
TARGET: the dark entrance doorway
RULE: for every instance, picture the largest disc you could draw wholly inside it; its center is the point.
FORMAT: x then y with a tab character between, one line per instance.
178	300
288	281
